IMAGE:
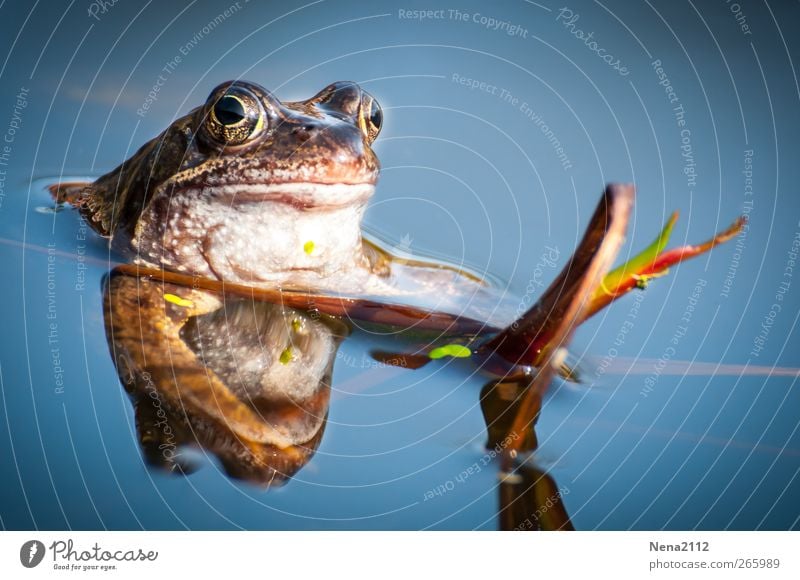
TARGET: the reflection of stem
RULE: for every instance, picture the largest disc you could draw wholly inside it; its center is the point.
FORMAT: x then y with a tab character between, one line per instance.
528	411
530	500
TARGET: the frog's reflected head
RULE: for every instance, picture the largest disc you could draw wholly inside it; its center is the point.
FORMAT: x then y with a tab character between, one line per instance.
312	153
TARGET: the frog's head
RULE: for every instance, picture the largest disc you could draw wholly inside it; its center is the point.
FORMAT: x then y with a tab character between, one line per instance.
252	147
244	169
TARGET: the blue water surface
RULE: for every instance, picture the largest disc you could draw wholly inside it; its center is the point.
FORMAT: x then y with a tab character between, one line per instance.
503	123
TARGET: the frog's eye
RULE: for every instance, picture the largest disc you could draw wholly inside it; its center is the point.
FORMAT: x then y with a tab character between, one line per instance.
235	117
370	117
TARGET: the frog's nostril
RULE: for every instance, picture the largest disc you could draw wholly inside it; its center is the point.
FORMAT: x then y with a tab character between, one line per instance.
303	132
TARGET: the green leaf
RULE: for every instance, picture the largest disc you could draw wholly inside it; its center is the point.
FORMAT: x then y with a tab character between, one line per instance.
454	350
640	262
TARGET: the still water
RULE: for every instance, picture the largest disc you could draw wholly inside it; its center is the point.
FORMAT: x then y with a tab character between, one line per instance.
646	441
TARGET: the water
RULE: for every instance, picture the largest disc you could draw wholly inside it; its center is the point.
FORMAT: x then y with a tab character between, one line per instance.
470	175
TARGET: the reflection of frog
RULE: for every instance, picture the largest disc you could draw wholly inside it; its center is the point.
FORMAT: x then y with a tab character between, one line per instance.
248	381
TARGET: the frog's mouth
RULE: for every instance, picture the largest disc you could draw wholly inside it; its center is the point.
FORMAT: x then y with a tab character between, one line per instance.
306	195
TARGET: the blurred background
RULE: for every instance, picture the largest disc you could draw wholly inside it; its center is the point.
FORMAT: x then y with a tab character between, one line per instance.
503	122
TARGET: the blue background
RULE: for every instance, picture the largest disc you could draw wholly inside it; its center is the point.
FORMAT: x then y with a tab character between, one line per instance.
467	176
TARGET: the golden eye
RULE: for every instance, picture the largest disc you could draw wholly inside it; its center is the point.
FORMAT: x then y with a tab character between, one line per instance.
235	117
370	117
230	110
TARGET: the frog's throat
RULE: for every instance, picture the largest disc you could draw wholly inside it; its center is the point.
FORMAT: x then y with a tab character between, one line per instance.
301	194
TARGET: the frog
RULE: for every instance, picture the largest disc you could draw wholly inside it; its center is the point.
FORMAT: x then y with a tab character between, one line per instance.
252	190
